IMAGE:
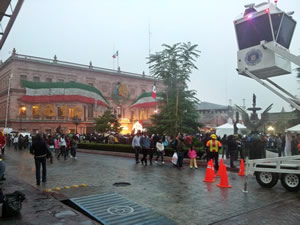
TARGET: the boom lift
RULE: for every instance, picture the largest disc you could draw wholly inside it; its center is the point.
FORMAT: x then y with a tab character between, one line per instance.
264	34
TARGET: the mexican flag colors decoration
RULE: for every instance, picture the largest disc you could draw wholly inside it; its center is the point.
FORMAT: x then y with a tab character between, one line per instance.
146	100
47	92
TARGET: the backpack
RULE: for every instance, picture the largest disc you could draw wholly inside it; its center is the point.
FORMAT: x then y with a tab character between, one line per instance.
12	204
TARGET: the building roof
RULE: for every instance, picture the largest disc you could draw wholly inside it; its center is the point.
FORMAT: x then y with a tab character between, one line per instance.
210	106
77	66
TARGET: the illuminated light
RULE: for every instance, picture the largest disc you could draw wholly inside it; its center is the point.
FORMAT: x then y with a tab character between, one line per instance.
249	16
267	10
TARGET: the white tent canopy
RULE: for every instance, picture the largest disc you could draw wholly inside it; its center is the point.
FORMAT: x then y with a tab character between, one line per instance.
228	129
292	131
295	129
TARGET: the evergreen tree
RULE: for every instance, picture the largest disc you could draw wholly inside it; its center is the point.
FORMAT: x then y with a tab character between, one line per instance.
174	65
108	122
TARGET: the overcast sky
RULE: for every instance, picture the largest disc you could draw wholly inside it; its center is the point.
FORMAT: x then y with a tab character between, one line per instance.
92	30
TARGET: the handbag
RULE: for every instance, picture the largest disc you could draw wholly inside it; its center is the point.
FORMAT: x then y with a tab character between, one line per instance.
174	158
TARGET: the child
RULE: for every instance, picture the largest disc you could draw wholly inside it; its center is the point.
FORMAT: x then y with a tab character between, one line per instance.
193	156
160	148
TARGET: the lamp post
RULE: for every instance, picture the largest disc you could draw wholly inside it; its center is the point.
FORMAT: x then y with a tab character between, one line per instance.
76	120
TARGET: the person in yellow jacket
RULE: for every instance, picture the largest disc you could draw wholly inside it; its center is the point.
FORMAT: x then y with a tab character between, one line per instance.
213	146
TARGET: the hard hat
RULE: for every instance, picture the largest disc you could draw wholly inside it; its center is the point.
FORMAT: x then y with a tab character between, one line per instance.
213	136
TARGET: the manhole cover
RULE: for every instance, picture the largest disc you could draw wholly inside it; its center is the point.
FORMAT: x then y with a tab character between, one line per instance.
120	210
121	184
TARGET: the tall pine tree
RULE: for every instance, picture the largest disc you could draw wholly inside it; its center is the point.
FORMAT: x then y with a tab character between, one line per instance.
178	112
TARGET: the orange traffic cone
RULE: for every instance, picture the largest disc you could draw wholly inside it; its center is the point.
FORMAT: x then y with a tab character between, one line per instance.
220	168
224	179
212	168
208	175
242	168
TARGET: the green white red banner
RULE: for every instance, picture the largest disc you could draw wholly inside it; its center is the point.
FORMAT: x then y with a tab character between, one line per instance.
46	92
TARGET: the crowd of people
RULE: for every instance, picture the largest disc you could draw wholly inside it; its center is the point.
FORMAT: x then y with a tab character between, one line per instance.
151	147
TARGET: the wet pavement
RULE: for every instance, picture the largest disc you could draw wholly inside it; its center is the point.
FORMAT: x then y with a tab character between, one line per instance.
178	194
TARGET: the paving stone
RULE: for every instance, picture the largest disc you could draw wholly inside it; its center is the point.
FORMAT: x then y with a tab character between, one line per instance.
180	195
65	213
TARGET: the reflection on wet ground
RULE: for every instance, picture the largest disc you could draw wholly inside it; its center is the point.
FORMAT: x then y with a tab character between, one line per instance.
180	195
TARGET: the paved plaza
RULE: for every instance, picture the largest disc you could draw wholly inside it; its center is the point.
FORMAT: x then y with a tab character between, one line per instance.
179	195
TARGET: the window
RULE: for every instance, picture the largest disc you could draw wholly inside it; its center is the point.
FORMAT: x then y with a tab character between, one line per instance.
36	111
36	79
62	111
23	77
22	111
60	80
71	112
49	80
90	112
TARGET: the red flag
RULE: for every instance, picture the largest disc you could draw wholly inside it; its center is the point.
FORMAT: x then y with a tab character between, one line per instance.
154	91
116	54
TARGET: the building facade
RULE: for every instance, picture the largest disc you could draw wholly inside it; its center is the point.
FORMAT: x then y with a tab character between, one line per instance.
214	115
39	95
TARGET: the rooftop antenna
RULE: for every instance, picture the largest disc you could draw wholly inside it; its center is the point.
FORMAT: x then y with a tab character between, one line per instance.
149	44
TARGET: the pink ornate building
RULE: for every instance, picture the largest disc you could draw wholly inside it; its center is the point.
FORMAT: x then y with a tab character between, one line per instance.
38	94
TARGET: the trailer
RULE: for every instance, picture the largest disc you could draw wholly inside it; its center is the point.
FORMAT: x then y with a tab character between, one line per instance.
269	170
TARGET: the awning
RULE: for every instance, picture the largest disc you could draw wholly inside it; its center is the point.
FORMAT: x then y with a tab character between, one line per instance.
145	100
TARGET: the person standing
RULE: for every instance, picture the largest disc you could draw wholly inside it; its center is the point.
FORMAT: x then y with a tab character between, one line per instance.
2	169
2	143
63	145
40	150
213	146
294	143
232	149
278	144
15	142
180	150
136	145
74	142
193	156
160	148
145	144
225	146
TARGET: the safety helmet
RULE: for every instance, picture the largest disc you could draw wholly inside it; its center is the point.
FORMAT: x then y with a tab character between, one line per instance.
213	136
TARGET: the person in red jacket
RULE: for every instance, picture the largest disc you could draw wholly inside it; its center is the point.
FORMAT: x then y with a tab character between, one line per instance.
2	143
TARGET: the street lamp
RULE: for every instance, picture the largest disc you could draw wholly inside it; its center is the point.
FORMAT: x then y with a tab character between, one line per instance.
76	120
